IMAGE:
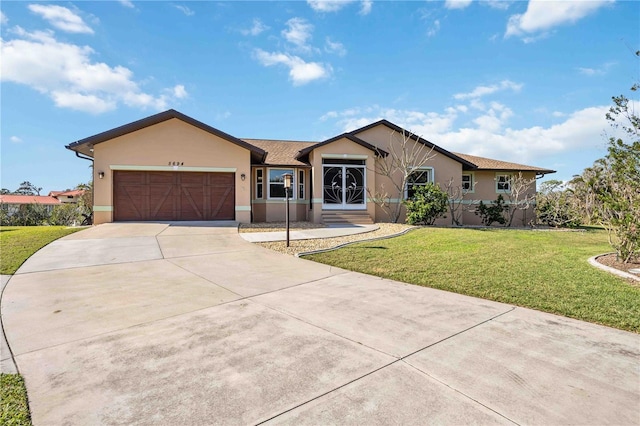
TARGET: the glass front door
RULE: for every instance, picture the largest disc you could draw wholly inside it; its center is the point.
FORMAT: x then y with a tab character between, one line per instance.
343	187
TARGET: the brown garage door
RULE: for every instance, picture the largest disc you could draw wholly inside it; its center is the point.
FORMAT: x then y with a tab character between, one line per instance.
173	196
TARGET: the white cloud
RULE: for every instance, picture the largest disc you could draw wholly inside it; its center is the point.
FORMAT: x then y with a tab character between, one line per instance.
497	4
366	7
602	70
487	90
334	47
256	29
457	4
325	6
542	16
179	92
433	30
487	133
66	73
300	72
298	32
3	18
184	9
61	18
15	139
126	3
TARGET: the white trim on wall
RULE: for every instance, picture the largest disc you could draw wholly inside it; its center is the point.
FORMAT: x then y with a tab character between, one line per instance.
172	168
345	156
102	208
243	208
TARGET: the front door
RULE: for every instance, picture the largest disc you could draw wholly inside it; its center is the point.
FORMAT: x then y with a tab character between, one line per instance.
343	187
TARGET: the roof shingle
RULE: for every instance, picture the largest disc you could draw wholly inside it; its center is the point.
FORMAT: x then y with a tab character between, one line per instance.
483	163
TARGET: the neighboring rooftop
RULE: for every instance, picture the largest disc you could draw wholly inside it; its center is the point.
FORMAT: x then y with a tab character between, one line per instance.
28	199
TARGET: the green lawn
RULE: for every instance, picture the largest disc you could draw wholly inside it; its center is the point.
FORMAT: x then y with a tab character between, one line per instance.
18	243
15	409
547	271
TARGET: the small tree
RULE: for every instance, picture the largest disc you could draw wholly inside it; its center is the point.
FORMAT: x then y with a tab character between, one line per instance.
406	156
518	198
457	194
428	203
555	205
494	212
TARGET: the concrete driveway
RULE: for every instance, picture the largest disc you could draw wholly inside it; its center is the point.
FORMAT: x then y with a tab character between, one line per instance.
173	324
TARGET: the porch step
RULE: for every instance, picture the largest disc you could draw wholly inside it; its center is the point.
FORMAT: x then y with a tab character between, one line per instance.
346	216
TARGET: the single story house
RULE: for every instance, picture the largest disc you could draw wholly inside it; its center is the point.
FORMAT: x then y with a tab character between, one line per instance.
172	167
11	203
70	196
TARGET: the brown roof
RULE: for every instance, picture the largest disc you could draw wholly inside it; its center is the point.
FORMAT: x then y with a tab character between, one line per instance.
27	199
73	193
379	152
85	146
483	163
281	153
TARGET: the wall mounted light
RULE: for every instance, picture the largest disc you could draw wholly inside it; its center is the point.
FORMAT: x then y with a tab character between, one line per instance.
101	175
243	176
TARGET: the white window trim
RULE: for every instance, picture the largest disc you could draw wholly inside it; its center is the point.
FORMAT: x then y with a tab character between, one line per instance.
301	185
294	183
503	191
473	182
259	183
432	178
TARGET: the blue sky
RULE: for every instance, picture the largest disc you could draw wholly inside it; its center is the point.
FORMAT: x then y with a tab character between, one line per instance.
528	82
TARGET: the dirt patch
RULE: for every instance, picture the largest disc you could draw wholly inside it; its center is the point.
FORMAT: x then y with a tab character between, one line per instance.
277	226
300	246
612	261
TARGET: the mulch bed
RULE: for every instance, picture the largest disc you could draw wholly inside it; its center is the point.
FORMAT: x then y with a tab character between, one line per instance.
612	261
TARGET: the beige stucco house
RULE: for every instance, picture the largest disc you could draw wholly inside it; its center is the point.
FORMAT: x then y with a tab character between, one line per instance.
171	167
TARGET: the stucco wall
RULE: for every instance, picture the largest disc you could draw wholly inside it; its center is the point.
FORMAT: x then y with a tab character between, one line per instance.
273	210
345	148
158	147
443	167
485	190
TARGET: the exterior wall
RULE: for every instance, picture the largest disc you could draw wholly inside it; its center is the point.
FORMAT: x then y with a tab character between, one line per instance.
273	210
160	146
345	149
485	191
443	168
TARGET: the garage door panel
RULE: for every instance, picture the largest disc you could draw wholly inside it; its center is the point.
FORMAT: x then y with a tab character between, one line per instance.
142	195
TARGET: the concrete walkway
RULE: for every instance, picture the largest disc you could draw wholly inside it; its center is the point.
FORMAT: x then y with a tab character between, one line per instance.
308	234
173	324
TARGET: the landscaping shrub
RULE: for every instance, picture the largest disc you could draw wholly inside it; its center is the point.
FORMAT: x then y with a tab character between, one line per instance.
428	203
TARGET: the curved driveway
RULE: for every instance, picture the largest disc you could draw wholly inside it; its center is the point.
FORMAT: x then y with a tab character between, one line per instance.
173	324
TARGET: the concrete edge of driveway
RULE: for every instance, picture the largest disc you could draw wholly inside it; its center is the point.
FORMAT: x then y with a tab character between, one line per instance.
384	237
7	363
594	262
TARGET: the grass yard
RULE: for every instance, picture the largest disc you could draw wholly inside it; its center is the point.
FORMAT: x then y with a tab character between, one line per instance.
547	271
18	243
15	409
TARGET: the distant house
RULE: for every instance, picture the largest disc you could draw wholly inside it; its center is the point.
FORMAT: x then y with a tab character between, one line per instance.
12	203
172	167
67	196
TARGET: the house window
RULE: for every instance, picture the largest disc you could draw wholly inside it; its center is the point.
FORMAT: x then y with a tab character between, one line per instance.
467	182
276	182
419	177
301	185
503	183
259	183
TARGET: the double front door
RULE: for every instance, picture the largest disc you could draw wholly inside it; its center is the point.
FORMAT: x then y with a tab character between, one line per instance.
343	187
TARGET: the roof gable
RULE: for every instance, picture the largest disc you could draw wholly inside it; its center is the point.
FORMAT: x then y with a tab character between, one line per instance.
379	152
85	146
281	153
466	164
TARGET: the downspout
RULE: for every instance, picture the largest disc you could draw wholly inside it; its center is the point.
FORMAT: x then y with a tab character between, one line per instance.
93	191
